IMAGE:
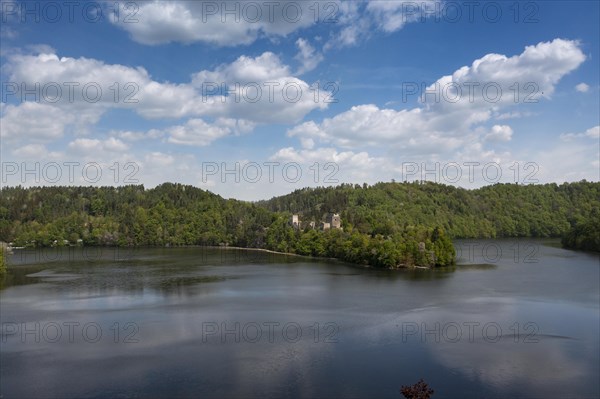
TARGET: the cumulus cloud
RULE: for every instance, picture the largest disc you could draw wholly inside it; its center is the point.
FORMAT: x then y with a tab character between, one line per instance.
501	80
197	132
307	56
499	133
372	126
235	23
30	150
582	87
361	160
328	165
7	32
390	16
159	159
513	115
307	143
246	70
129	135
84	83
591	133
260	89
577	157
74	93
447	120
31	121
223	23
92	146
359	20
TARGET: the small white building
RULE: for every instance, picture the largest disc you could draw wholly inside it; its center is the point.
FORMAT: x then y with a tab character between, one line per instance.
335	221
295	221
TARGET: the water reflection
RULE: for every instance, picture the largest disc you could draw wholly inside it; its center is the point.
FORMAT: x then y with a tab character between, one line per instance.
183	322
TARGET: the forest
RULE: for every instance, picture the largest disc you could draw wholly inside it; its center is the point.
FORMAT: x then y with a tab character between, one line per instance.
570	210
386	225
500	210
584	236
2	262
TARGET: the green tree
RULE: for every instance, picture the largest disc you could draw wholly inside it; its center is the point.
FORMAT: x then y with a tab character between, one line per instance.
584	235
2	260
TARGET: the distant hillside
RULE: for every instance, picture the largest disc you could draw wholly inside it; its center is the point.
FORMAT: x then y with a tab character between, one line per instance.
501	210
386	225
584	236
170	214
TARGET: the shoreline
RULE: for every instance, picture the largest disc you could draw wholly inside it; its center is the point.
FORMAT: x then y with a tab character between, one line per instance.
288	254
263	250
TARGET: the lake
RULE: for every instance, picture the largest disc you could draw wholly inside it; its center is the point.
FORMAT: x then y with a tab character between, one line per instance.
515	318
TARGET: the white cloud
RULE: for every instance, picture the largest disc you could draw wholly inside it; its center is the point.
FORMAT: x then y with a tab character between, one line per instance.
371	126
290	154
573	159
359	20
96	146
354	26
43	119
234	23
499	133
591	133
197	132
513	115
136	135
307	143
390	16
444	123
497	80
261	89
246	69
31	121
30	150
159	159
223	23
100	86
116	145
236	126
7	32
328	165
307	56
582	87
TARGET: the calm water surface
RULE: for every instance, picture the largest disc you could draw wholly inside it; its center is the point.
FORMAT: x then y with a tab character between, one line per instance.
516	318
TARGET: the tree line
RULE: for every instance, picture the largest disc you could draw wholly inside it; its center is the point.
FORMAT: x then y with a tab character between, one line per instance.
584	236
384	225
500	210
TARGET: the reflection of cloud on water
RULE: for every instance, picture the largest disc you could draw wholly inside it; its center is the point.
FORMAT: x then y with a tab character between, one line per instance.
171	354
280	370
550	358
542	367
53	276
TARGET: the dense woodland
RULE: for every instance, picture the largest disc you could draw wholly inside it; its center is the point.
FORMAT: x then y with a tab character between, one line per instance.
384	225
501	210
2	262
585	236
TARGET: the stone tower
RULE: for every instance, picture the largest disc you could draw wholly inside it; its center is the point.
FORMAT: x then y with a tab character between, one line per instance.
295	221
335	221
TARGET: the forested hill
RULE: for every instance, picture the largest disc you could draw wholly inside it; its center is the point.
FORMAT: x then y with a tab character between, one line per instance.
385	225
171	214
501	210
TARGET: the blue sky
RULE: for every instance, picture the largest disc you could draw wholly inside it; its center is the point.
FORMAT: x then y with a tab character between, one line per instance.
538	62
